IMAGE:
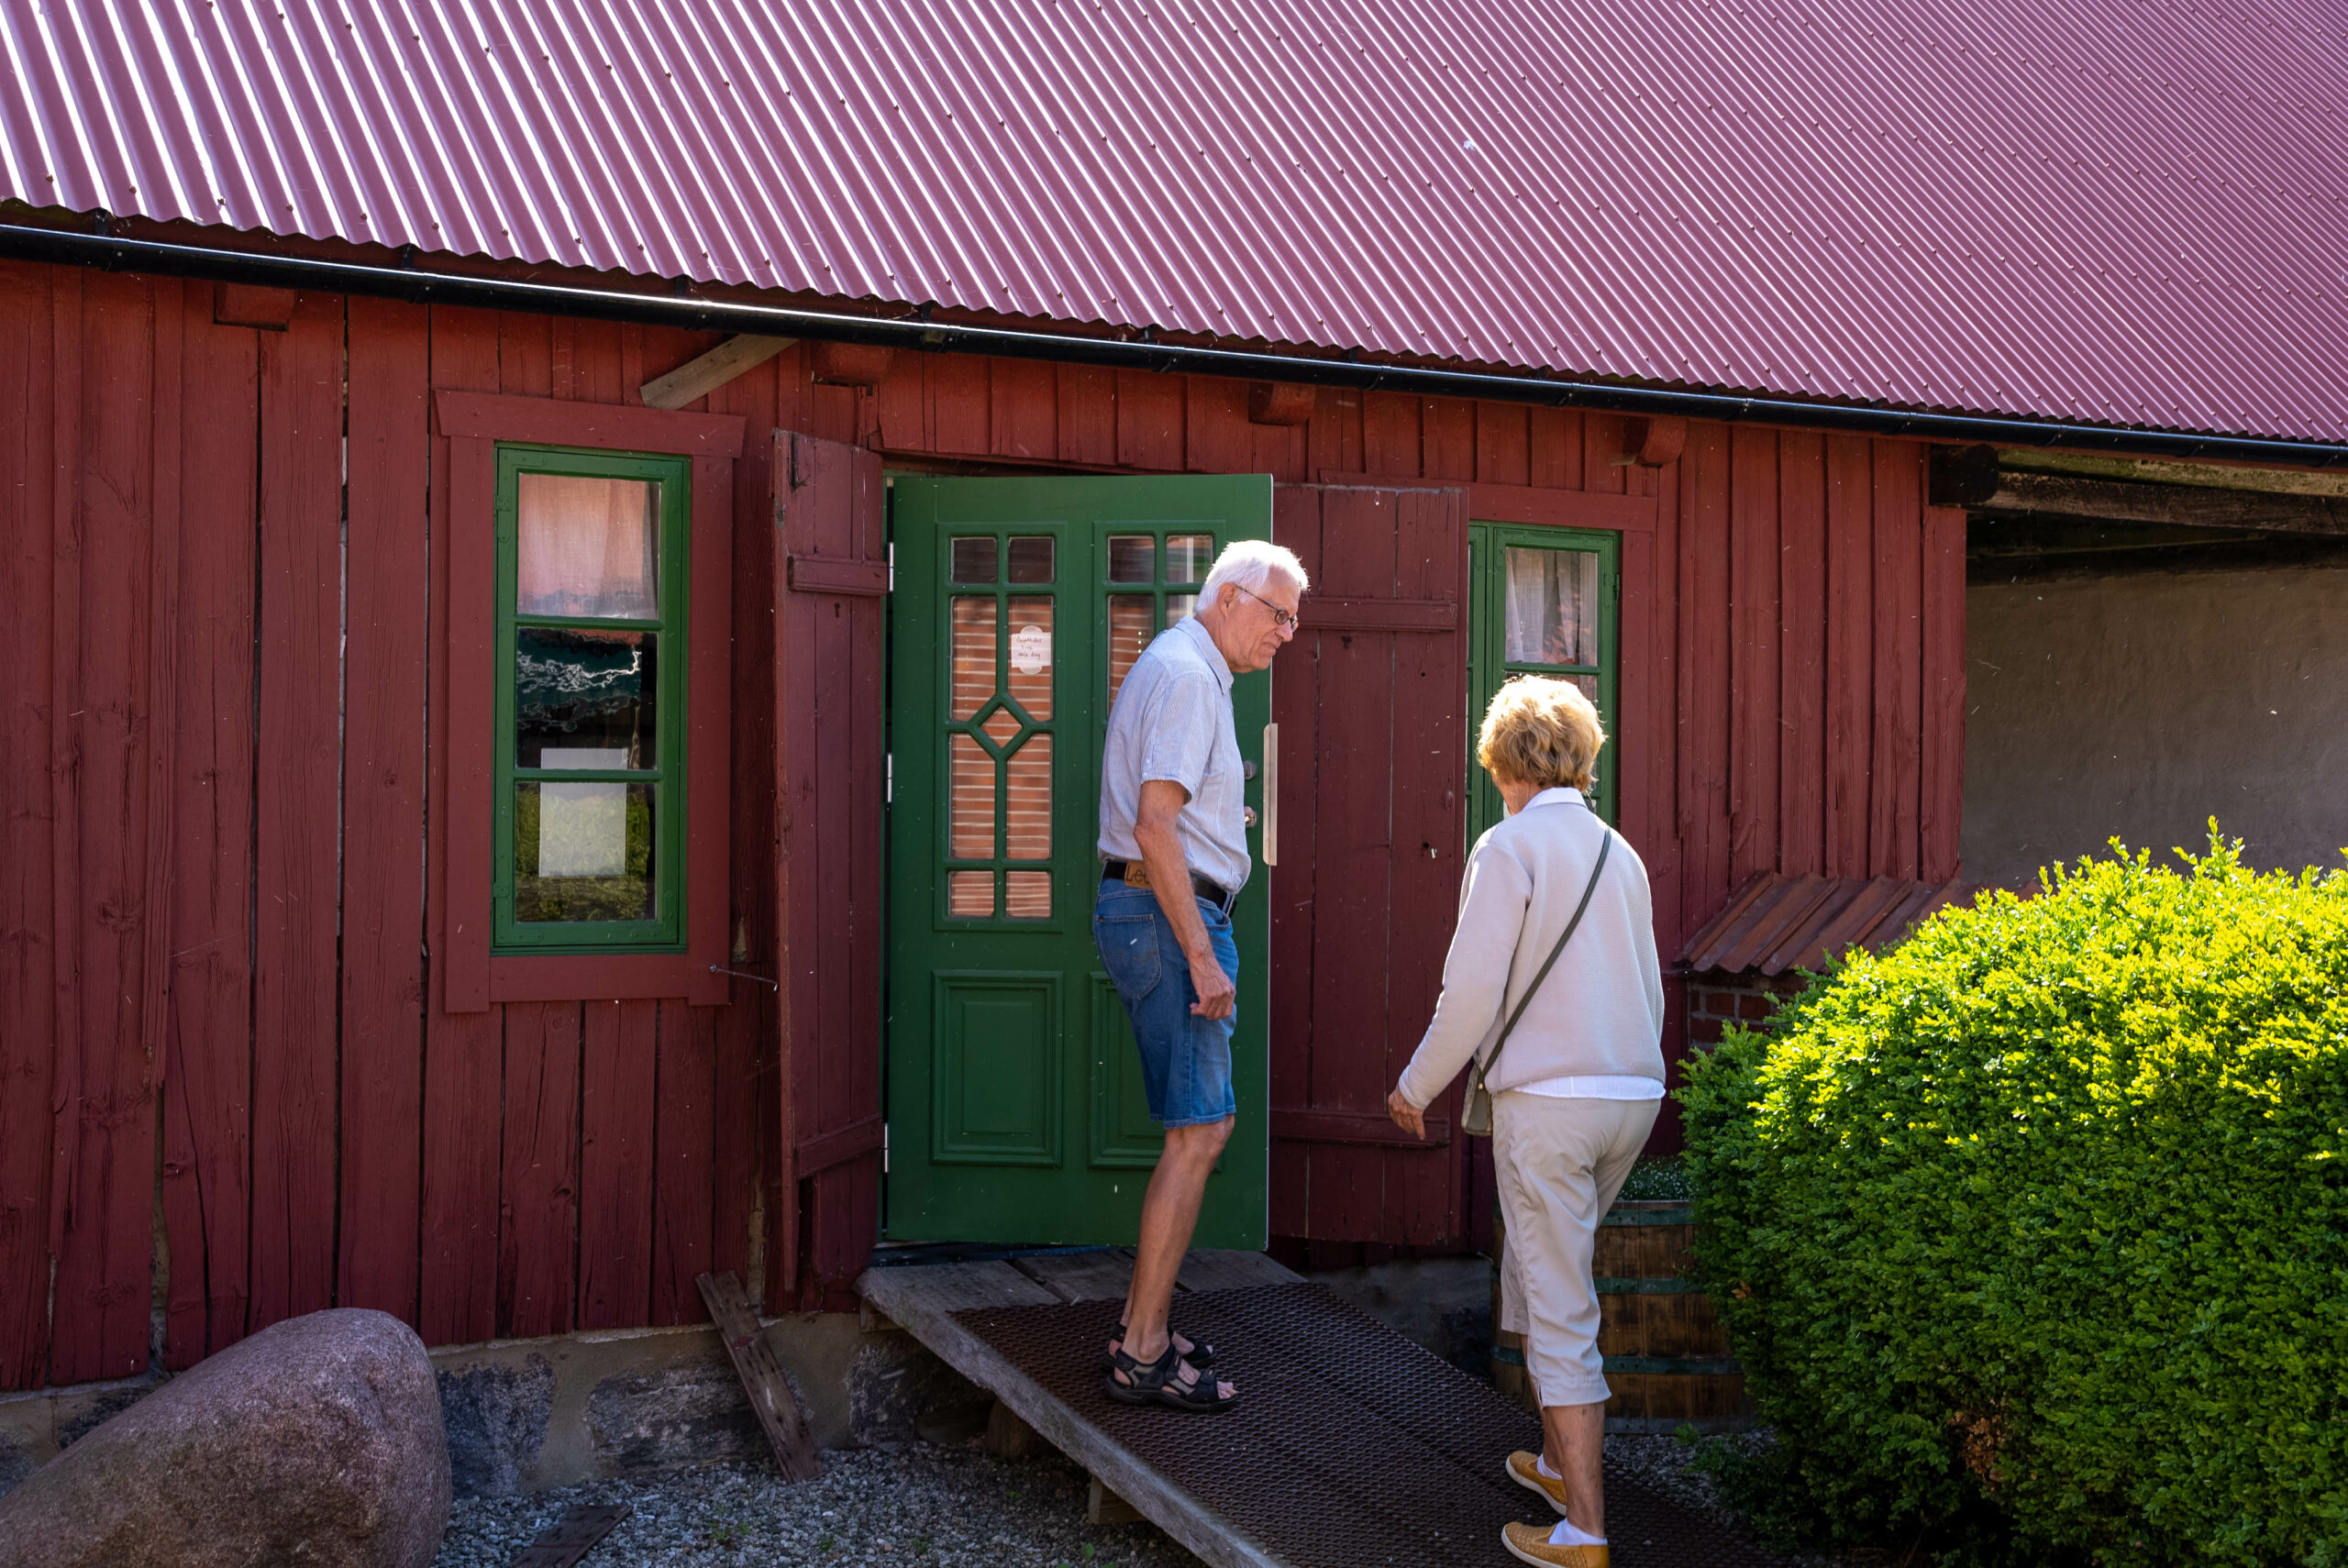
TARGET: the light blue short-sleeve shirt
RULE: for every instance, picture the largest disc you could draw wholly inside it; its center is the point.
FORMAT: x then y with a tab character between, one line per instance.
1173	721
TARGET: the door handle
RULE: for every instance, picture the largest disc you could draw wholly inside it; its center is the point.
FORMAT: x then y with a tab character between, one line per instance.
1271	794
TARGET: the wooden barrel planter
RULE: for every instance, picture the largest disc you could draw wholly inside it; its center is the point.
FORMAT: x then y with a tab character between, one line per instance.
1666	1355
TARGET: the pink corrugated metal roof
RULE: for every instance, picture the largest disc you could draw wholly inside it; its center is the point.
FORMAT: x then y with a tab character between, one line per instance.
2129	211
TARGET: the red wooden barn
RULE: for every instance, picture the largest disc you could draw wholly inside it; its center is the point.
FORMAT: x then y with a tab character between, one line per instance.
562	573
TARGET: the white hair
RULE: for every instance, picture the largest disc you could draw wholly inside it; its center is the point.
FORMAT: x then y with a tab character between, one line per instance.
1246	564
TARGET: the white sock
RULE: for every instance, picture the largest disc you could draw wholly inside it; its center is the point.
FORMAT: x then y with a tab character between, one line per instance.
1542	1464
1567	1535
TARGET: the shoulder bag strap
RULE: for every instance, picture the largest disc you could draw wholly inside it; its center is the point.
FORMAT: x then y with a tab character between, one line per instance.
1554	953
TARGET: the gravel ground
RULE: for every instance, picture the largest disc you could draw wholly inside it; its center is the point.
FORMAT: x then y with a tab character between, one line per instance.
911	1503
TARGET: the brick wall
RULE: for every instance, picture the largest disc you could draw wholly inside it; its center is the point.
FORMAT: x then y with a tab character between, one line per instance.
1715	999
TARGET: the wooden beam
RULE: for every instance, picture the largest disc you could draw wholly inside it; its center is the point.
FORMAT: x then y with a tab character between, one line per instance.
2153	470
2180	506
762	1377
697	378
572	1536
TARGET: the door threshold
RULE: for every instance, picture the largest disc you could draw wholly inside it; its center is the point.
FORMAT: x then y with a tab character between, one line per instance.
899	1254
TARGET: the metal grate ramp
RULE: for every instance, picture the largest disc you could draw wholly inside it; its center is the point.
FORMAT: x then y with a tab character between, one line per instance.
1353	1447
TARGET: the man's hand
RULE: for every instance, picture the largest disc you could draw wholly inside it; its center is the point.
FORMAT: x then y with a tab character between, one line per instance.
1217	995
1408	1117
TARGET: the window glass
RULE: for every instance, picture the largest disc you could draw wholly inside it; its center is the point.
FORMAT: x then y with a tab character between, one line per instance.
969	895
1031	657
1031	558
1130	615
1187	557
1027	895
1552	617
969	800
1027	816
974	559
586	699
588	546
972	618
582	851
1179	607
1132	558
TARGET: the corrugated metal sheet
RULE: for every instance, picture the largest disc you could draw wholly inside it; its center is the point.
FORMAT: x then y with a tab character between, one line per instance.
1775	923
2111	210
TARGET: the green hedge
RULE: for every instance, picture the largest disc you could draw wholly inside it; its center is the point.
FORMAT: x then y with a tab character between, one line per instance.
2033	1232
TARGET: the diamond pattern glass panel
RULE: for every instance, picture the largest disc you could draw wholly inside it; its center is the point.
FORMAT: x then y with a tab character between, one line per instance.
1000	727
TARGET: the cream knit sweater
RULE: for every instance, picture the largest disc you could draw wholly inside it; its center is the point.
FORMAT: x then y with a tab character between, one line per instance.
1600	1011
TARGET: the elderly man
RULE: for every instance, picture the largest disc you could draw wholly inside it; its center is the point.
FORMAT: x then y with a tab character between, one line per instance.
1174	848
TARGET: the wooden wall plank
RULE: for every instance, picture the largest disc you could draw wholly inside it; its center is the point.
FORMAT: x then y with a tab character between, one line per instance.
207	1074
1332	440
724	1180
1896	776
1390	434
1296	524
1503	443
619	1080
1652	744
1217	437
1850	650
1704	716
107	1150
458	1277
685	1181
1087	397
1449	434
1944	695
1754	674
1555	440
956	386
525	354
389	614
30	972
1601	445
1149	421
1801	703
538	1233
295	865
1024	418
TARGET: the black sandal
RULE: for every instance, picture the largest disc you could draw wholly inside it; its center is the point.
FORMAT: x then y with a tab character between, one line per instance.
1200	1355
1154	1382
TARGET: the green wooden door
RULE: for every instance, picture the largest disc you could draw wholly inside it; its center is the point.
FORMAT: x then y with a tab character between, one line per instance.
1015	1109
1542	601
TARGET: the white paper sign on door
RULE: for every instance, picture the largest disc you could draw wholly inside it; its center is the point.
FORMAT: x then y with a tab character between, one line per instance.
1031	650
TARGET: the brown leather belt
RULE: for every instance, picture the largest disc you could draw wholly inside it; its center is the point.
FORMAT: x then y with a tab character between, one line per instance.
1133	874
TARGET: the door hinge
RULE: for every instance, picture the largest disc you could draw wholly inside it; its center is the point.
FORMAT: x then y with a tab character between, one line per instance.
889	778
893	566
884	1148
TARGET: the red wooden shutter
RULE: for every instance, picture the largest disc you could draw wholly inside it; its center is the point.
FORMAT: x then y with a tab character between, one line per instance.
832	573
1371	702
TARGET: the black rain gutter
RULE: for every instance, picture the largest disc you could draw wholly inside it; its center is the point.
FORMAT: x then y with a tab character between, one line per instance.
118	254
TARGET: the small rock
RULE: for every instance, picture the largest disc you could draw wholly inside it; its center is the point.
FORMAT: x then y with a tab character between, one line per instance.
317	1440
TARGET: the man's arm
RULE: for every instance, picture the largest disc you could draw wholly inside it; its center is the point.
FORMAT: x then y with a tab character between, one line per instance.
1155	830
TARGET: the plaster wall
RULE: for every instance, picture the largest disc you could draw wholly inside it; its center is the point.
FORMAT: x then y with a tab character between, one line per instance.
2141	704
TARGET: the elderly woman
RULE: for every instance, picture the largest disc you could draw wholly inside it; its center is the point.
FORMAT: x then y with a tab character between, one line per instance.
1575	1082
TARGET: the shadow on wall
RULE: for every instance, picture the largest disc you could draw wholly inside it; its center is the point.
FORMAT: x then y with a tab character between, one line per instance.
2141	704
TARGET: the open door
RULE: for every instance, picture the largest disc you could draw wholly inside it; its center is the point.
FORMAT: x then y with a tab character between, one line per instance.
1015	1109
1371	704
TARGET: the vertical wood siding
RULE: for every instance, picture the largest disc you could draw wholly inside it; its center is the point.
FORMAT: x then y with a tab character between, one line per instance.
220	895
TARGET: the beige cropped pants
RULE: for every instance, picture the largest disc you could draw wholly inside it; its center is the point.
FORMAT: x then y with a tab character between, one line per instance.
1560	1163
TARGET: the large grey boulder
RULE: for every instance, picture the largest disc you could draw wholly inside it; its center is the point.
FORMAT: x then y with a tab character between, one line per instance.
317	1442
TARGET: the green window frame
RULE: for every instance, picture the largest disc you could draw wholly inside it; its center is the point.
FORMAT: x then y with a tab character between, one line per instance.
664	808
1488	665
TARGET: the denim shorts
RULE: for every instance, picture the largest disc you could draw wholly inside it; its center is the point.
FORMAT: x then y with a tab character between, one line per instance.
1185	1059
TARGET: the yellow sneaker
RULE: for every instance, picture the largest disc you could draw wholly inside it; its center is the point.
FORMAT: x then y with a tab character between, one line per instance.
1530	1543
1524	1469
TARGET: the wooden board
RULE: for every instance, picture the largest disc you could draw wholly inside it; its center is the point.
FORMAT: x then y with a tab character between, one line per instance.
573	1536
922	1300
1896	773
1102	1275
1850	656
617	1104
538	1255
762	1377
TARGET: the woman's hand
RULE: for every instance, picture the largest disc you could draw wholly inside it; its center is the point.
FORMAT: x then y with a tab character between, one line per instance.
1408	1117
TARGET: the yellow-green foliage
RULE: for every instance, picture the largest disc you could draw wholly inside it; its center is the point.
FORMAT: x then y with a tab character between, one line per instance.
2033	1232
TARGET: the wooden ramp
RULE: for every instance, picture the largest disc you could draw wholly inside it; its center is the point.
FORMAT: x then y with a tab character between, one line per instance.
1352	1447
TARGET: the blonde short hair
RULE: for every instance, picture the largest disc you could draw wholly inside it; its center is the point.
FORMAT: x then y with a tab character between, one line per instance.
1540	730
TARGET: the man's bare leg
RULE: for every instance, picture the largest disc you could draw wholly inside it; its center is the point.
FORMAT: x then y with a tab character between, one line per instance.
1170	1213
1574	1444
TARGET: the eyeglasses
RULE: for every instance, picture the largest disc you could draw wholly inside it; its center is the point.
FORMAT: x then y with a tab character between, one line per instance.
1280	617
